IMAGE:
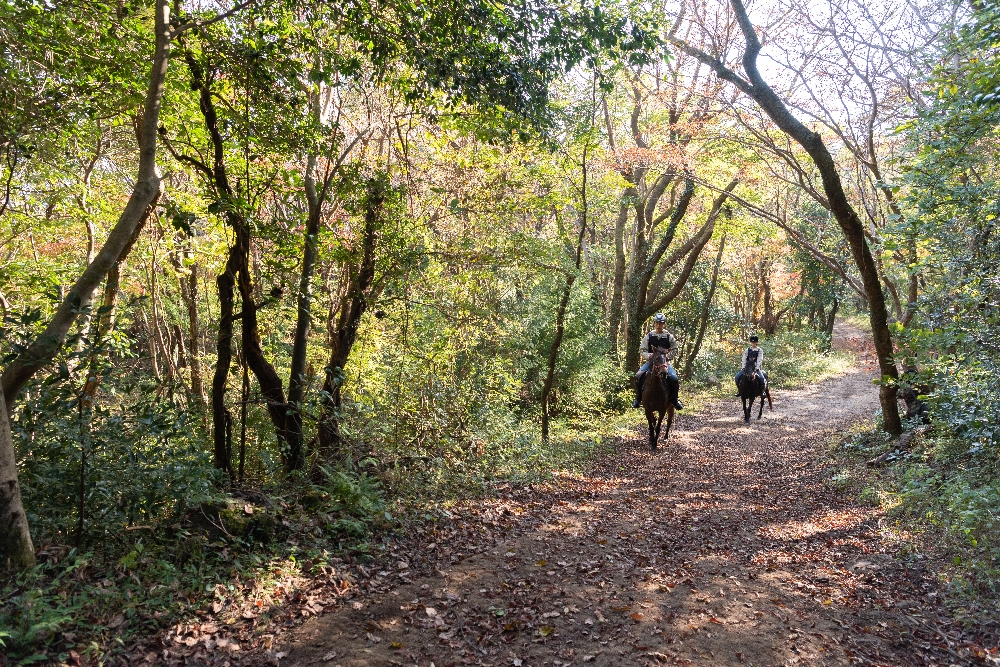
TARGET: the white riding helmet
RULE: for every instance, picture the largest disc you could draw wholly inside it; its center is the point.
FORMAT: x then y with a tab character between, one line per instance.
660	317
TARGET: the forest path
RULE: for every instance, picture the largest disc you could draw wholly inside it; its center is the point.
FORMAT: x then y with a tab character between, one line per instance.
727	547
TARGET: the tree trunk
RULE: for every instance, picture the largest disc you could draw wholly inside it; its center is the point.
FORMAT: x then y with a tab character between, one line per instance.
178	343
244	397
225	283
5	306
769	319
758	89
153	352
706	311
617	304
640	304
356	302
633	333
160	332
270	383
237	266
830	321
296	381
16	550
554	350
637	286
189	294
106	318
82	201
912	291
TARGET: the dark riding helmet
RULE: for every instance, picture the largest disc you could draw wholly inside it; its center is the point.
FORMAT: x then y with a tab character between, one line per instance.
754	339
659	317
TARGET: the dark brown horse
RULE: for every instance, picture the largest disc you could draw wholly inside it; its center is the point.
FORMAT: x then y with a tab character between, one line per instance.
750	386
655	399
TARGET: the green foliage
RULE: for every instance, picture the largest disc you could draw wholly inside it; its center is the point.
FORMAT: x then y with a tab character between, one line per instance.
791	359
455	401
357	496
137	458
49	77
983	35
953	204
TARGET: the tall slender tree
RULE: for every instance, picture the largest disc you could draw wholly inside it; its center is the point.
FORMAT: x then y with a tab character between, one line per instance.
16	548
755	87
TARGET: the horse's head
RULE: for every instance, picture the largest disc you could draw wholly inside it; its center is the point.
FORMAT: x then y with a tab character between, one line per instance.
658	361
750	370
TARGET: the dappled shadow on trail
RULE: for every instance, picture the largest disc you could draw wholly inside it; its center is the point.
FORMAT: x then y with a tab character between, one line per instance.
726	547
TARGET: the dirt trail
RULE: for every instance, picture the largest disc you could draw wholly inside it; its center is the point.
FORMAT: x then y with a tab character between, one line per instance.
725	548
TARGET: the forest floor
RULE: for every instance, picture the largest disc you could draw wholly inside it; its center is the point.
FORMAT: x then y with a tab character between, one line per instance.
727	547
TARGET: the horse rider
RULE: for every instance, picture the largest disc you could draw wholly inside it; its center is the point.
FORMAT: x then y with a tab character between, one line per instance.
756	356
658	337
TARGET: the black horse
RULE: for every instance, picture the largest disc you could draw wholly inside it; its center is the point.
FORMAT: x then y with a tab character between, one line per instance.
751	385
656	398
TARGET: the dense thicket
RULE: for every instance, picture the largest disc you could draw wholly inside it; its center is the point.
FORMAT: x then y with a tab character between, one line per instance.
311	245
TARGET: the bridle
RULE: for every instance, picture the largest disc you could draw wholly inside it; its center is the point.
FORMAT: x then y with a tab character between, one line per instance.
660	369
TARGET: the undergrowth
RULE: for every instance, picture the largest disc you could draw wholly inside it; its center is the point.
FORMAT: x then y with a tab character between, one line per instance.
226	549
226	552
937	488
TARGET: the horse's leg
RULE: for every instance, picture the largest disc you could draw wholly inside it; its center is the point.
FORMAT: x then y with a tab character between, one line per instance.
746	410
670	421
651	423
770	403
761	411
659	420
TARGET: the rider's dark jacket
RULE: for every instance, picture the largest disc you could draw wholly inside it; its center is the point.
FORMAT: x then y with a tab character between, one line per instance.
653	339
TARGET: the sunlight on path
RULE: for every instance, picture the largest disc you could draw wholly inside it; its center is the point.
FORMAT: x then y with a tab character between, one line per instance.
726	548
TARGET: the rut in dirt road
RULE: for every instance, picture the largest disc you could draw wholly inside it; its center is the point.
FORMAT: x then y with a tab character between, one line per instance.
725	548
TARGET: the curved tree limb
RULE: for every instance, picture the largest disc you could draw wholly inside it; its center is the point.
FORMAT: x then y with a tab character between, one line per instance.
847	217
145	193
